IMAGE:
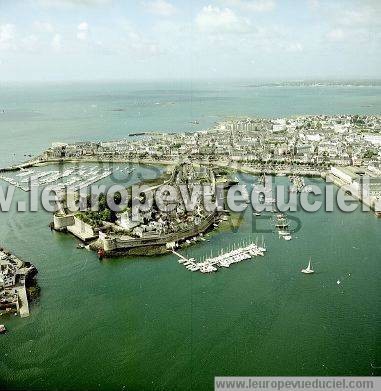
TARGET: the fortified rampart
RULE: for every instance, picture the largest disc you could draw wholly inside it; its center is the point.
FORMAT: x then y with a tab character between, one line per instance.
61	222
74	225
117	243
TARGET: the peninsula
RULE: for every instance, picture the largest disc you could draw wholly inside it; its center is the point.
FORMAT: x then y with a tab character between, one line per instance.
155	230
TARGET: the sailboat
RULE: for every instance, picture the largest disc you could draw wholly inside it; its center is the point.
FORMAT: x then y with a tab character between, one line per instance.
308	269
263	245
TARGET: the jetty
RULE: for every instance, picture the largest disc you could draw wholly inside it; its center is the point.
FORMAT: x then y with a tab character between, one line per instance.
224	259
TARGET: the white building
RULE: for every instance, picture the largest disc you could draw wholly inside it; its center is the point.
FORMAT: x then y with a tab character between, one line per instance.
373	138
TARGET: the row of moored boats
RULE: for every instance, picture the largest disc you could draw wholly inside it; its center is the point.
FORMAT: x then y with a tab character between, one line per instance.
75	178
211	265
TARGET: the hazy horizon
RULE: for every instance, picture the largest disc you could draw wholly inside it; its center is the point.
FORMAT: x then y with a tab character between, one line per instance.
247	82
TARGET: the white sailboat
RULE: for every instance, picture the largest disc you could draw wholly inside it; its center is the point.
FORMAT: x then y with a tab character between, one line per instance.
262	247
308	269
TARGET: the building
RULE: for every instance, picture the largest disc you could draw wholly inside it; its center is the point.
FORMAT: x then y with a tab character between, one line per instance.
364	183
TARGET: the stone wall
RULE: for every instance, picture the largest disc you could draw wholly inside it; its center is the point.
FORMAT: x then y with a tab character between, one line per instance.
82	230
115	243
62	221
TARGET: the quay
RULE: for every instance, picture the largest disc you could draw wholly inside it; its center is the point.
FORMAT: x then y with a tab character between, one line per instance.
361	183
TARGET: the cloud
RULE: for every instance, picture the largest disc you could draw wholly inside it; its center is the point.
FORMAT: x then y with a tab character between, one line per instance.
294	47
252	6
217	20
83	31
30	43
142	48
73	3
161	8
7	36
358	23
314	3
360	16
366	14
44	27
83	26
56	42
335	35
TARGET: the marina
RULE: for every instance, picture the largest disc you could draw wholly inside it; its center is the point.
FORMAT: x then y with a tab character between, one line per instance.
75	179
235	255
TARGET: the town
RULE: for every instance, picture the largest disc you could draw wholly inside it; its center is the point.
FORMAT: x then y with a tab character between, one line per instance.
342	149
17	284
310	142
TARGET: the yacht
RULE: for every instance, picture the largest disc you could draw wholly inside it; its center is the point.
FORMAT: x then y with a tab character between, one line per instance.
283	223
308	269
25	173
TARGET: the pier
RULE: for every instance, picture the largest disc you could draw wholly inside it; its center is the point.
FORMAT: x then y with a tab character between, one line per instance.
210	265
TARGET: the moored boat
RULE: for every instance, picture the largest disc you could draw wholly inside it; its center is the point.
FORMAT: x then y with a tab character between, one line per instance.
283	223
101	253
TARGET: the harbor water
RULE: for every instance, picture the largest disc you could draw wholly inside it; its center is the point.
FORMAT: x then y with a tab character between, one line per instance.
147	323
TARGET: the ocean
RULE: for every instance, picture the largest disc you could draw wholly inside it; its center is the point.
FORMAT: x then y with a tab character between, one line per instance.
146	323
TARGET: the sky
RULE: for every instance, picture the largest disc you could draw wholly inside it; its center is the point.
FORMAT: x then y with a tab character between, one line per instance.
189	39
